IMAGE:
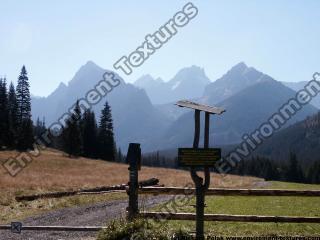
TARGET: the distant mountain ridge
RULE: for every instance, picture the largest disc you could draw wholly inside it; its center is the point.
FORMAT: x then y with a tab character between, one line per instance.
248	95
189	82
296	86
246	109
236	79
134	116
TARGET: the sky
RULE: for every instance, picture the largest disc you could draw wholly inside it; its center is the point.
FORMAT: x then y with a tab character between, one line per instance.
55	38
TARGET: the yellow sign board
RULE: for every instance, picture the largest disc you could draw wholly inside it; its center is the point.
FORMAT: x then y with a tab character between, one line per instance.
198	157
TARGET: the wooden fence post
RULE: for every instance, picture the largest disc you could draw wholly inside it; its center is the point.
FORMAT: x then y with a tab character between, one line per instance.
134	160
198	181
201	184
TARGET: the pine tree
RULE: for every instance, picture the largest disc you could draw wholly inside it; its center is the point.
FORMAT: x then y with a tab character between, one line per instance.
23	96
294	173
89	134
3	113
12	117
40	128
313	175
72	141
25	138
25	125
107	147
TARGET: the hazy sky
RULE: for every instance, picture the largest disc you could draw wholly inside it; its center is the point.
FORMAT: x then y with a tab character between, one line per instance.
55	38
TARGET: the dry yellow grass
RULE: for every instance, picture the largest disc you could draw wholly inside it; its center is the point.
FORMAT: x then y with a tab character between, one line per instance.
53	171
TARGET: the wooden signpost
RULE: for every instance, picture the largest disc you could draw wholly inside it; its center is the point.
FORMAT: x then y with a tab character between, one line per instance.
134	160
206	158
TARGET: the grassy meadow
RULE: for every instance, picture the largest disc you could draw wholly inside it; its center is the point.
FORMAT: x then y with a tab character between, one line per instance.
54	171
252	205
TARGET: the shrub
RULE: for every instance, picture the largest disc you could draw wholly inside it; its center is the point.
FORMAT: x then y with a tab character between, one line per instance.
139	229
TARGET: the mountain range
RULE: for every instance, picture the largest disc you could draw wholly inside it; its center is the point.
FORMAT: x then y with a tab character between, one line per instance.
144	112
246	108
188	82
296	86
134	116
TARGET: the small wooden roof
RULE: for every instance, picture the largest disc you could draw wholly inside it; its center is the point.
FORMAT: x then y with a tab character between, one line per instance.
201	107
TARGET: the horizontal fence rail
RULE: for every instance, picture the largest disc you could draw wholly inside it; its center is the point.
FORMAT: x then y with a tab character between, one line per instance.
229	192
57	228
230	218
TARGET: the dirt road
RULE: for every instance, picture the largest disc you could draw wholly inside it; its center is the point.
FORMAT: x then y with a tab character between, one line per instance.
97	214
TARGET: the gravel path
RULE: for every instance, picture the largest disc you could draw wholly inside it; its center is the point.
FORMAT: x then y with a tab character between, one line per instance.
91	215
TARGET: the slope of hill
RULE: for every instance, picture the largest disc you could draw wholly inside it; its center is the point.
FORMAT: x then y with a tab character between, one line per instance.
170	110
236	79
296	86
54	171
302	138
187	83
156	89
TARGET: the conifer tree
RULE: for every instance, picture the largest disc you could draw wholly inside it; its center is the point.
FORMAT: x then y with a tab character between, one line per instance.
89	134
107	147
12	117
3	113
23	96
25	138
313	175
40	128
294	173
25	126
72	140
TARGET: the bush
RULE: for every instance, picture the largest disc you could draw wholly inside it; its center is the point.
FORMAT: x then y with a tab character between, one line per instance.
139	229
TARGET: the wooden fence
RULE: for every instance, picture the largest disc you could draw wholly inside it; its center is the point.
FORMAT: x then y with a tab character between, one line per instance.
133	190
228	192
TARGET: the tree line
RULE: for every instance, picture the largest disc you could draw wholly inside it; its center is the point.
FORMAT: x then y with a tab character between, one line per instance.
290	170
83	136
16	126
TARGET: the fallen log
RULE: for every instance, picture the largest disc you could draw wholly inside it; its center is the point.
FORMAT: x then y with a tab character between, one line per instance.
148	182
104	189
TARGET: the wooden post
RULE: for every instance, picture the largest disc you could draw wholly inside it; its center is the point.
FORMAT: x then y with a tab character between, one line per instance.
196	128
200	186
133	155
206	145
206	130
198	181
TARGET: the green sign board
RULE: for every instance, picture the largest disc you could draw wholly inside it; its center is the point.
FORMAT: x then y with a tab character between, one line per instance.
198	157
